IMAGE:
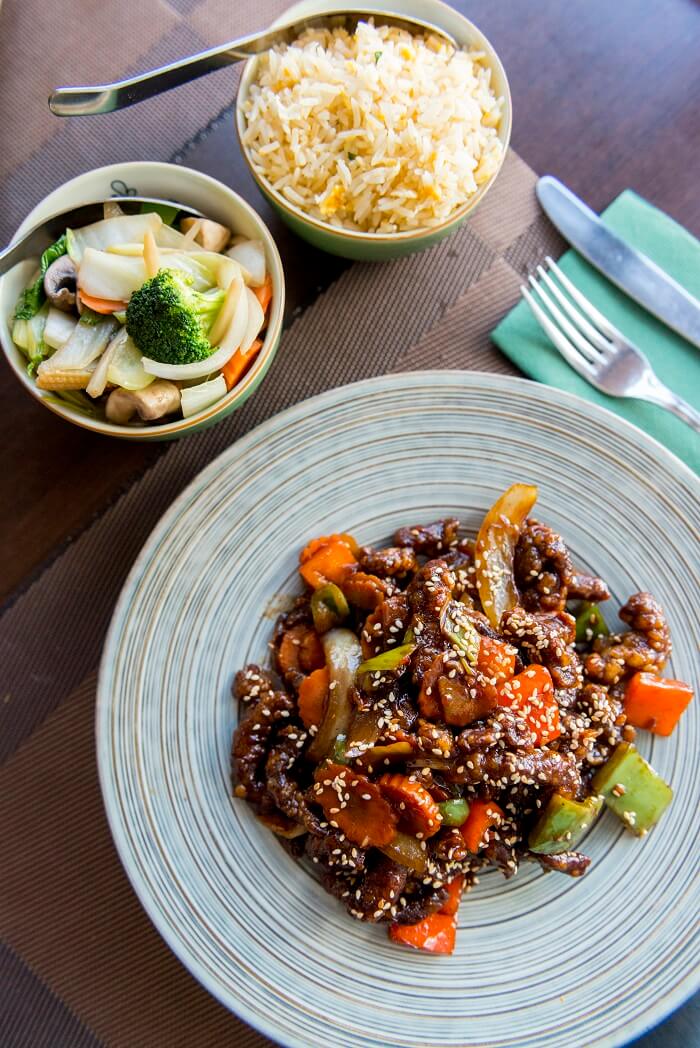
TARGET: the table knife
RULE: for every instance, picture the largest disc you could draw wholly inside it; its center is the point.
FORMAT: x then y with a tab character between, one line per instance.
630	270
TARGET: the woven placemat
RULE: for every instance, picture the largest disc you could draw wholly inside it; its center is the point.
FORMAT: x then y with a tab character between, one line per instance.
80	964
81	958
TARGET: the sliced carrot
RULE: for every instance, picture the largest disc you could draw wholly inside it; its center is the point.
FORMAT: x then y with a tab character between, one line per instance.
355	805
234	367
314	545
455	887
531	695
328	563
496	658
300	650
102	305
482	815
313	692
656	703
264	292
416	810
435	934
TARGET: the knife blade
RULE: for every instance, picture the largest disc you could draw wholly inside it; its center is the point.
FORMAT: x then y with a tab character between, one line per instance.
629	269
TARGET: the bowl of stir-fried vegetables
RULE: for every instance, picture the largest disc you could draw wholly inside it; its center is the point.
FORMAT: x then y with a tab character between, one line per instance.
148	323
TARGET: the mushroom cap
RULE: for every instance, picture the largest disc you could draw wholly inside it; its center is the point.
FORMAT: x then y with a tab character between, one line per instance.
150	403
60	283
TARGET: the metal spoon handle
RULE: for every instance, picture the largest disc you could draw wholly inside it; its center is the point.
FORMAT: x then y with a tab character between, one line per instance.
106	98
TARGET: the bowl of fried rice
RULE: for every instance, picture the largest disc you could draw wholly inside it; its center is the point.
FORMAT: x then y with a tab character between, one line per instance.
376	143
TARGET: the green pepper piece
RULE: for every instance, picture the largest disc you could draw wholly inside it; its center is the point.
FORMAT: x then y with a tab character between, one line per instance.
387	660
328	607
454	813
339	751
562	824
590	623
409	636
632	789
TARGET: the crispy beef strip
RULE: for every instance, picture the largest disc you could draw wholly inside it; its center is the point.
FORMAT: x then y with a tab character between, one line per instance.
542	567
429	540
434	739
251	741
571	862
252	683
605	718
547	638
588	587
646	646
498	769
390	562
335	852
501	855
425	900
460	560
428	592
379	890
448	845
503	727
281	786
386	626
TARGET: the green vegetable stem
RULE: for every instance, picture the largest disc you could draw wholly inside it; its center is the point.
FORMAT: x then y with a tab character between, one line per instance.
387	660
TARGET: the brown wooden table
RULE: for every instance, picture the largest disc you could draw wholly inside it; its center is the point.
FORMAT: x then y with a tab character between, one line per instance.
605	95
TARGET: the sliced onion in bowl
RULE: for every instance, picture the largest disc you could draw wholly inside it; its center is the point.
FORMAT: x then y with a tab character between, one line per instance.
256	319
196	398
100	376
125	368
250	254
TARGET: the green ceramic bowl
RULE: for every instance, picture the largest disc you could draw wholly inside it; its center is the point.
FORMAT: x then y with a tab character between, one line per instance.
376	247
173	182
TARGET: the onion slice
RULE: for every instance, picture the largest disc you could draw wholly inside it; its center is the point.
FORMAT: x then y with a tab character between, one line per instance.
250	254
98	381
495	549
256	319
59	328
343	655
197	398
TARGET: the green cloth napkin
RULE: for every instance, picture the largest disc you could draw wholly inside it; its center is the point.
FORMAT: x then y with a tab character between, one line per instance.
676	362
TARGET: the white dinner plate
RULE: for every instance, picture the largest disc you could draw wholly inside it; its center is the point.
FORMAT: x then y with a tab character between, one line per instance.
542	960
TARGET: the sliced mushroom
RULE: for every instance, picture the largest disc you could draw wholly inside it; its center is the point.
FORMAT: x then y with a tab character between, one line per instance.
211	235
60	283
159	399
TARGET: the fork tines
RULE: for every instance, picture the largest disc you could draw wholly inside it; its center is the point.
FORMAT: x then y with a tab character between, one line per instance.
582	335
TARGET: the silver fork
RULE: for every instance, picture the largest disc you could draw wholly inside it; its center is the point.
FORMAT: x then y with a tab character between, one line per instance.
595	348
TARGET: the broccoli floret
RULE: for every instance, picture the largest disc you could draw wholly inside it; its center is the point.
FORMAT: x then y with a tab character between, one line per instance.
169	321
